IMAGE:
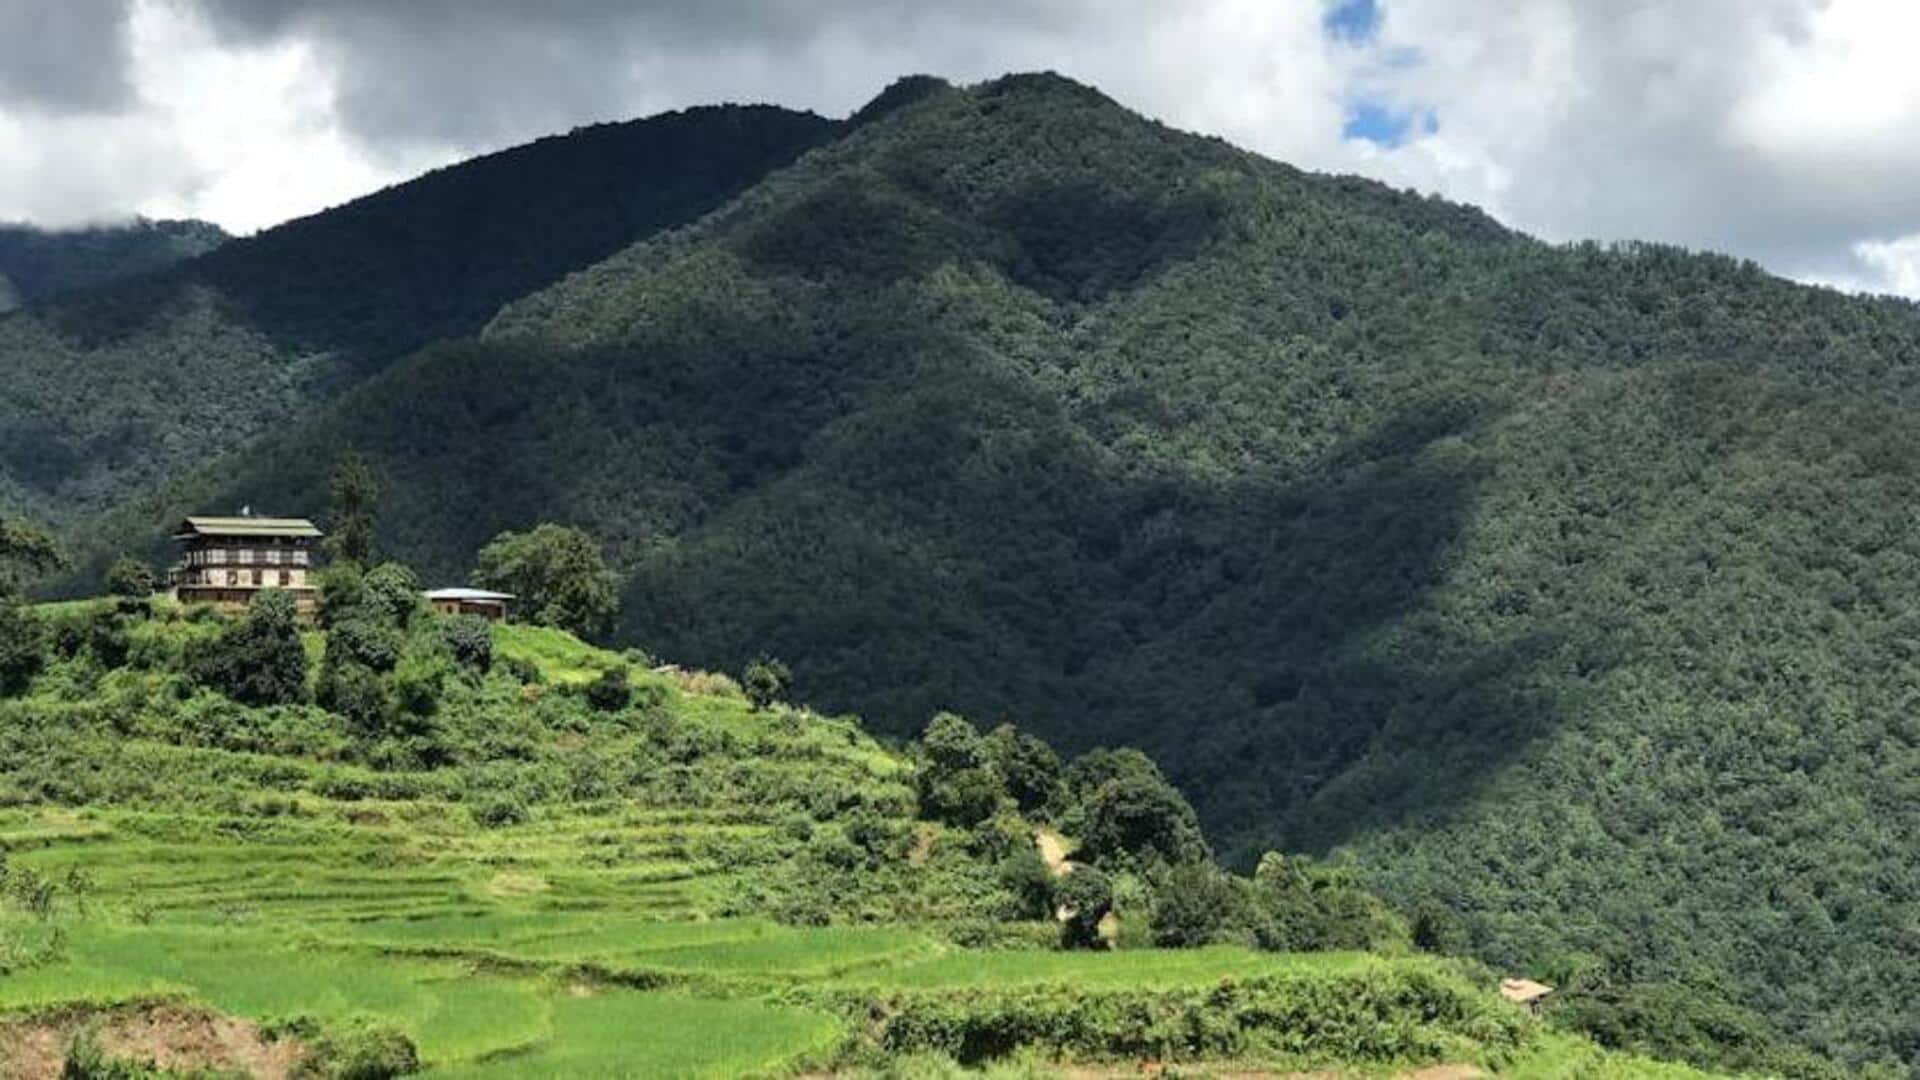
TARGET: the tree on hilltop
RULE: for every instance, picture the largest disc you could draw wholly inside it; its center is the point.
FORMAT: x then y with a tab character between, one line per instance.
557	576
350	522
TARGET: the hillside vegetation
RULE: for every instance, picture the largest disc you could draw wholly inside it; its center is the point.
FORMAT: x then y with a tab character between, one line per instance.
36	264
534	879
1568	590
113	394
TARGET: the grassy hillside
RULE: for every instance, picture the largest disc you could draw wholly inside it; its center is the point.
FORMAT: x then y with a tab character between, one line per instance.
1570	589
36	264
112	393
587	892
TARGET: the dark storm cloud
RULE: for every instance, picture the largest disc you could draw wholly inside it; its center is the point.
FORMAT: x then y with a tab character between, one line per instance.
64	55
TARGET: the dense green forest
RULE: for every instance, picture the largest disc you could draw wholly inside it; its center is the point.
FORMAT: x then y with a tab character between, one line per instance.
1568	589
36	264
110	393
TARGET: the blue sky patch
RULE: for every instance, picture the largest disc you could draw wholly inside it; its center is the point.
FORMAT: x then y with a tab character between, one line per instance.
1351	20
1376	123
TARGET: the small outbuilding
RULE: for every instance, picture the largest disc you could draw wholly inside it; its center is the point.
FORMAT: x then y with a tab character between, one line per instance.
482	602
1525	992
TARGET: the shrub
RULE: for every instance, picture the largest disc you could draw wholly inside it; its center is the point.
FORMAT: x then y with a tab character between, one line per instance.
363	1050
469	638
957	783
1028	768
393	590
259	660
129	576
419	681
1139	818
360	639
1085	895
343	593
355	691
1028	883
1198	905
23	647
610	692
764	682
499	809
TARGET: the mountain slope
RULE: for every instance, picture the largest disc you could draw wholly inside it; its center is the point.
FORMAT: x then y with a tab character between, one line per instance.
36	264
1571	588
109	392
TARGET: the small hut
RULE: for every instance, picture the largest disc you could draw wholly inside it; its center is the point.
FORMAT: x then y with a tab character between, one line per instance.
1525	992
482	602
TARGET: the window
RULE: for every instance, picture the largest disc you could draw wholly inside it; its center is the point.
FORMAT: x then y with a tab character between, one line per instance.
216	556
256	577
286	578
233	577
273	556
246	556
300	558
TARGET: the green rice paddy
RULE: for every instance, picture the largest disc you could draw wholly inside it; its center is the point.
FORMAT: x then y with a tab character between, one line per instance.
587	936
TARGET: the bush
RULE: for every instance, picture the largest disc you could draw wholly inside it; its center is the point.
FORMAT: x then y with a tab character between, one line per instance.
361	639
23	647
1028	883
343	593
957	782
129	576
363	1050
764	681
610	692
1085	895
1028	768
1198	905
355	691
393	591
469	638
500	809
1137	818
259	660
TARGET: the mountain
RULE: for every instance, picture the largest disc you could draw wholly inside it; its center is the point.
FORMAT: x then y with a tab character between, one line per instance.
39	263
1570	589
109	393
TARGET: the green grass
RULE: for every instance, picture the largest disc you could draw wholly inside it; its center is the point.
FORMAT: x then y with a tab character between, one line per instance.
621	1034
1130	969
561	657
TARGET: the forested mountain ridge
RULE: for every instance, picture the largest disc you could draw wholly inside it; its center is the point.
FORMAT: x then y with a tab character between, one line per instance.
36	263
1571	588
109	393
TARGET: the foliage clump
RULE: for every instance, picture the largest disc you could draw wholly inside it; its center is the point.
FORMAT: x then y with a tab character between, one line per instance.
557	575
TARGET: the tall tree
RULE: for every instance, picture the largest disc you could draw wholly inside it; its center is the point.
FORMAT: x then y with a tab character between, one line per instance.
354	491
557	575
25	552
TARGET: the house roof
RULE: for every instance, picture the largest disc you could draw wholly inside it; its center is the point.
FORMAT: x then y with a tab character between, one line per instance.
246	526
468	594
1523	991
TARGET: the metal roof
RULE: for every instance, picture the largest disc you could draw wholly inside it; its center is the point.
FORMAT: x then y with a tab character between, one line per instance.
247	526
1523	990
467	594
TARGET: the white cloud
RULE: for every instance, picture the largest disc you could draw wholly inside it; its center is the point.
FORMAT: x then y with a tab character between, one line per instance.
1783	130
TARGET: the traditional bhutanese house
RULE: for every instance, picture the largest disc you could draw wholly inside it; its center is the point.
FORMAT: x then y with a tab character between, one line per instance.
1525	992
487	605
226	560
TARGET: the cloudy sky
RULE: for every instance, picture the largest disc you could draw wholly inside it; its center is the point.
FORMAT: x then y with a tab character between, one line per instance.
1783	130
